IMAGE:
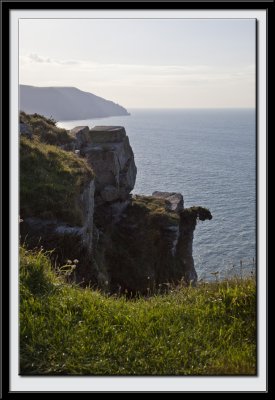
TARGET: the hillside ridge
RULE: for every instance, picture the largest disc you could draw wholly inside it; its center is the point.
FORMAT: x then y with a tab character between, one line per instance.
66	103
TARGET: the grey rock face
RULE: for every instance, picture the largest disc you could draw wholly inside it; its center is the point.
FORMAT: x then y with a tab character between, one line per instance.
117	209
87	205
109	193
109	153
80	133
174	200
188	220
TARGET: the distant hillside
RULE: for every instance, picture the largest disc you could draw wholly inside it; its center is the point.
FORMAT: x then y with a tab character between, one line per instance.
66	103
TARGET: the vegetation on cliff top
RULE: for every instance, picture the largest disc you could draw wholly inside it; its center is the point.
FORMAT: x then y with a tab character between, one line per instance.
66	330
51	179
154	208
45	129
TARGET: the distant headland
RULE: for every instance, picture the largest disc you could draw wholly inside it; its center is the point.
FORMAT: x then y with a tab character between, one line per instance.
66	103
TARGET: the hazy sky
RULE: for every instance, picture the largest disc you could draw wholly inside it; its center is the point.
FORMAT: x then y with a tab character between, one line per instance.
171	63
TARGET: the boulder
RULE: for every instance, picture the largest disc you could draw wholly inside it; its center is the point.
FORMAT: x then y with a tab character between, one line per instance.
174	201
80	133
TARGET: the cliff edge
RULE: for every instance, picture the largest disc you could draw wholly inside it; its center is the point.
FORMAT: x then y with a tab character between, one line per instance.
75	197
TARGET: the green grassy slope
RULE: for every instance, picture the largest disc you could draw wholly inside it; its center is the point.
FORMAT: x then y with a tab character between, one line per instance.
207	330
51	179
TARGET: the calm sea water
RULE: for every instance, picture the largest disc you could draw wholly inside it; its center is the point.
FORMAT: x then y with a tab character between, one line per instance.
210	157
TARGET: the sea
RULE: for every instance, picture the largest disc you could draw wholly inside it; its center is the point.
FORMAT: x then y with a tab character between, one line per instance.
208	155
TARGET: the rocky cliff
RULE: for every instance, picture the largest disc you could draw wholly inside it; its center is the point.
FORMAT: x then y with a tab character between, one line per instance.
123	242
108	151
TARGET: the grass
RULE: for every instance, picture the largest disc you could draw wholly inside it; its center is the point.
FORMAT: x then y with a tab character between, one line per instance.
45	129
66	330
154	208
51	181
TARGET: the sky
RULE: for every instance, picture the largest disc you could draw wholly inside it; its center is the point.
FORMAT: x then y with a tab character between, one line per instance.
144	63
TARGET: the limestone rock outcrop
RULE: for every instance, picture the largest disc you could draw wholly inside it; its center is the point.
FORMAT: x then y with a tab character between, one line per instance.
108	152
151	246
